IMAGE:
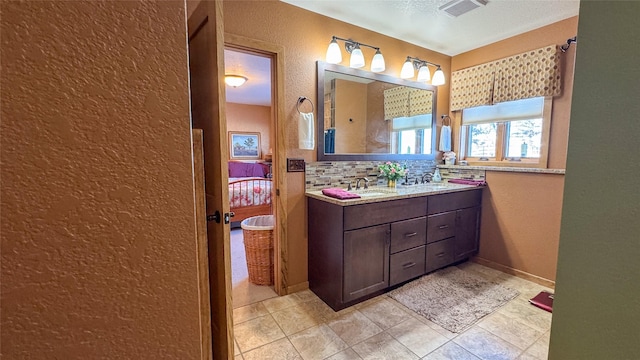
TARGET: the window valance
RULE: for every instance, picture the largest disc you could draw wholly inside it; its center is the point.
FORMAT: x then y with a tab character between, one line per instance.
531	74
402	101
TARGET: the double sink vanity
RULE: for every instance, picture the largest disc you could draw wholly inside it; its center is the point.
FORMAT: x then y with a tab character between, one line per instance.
360	248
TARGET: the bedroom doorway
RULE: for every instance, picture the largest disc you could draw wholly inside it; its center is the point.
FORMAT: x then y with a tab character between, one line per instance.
251	126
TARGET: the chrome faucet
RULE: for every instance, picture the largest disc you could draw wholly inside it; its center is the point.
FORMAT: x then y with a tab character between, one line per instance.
366	183
428	176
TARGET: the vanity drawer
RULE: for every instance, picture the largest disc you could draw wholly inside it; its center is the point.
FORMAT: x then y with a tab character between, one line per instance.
453	201
441	226
408	234
406	265
439	254
363	215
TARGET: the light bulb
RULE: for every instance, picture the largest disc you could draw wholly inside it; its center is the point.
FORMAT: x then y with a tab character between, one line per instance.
377	64
357	58
423	73
334	55
438	77
407	70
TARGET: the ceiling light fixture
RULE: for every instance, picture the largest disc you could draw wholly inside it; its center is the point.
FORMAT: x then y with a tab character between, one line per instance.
413	63
334	56
235	80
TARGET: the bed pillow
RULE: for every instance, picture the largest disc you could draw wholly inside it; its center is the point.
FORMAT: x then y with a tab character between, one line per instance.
241	169
257	170
237	169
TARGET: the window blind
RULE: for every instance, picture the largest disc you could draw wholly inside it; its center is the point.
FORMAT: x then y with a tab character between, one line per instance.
525	109
411	122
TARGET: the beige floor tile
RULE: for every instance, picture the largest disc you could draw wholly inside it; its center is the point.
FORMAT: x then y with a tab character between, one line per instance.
384	313
539	349
236	349
353	327
305	295
278	350
369	302
535	317
450	351
347	354
485	271
510	329
248	312
383	346
317	342
321	310
294	319
257	332
442	331
417	336
280	303
487	346
238	357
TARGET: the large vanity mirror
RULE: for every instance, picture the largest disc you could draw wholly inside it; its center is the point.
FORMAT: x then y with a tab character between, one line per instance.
368	116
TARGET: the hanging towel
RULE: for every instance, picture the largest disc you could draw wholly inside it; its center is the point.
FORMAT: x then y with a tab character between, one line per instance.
306	134
445	138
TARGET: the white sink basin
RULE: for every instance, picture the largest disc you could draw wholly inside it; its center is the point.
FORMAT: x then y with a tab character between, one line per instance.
375	192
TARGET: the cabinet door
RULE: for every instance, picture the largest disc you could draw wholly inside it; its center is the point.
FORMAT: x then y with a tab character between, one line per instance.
366	261
467	226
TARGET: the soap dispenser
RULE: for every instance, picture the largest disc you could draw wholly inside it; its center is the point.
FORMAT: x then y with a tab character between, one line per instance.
436	176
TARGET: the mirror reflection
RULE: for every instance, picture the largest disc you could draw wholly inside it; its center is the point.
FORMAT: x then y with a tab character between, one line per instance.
367	116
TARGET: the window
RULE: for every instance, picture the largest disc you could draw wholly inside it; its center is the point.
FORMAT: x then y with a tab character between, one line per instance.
514	133
412	134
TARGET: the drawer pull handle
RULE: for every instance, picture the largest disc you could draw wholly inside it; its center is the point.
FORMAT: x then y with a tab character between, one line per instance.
443	226
408	265
441	254
410	234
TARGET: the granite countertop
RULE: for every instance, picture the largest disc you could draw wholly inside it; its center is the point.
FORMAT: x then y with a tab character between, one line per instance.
504	169
379	193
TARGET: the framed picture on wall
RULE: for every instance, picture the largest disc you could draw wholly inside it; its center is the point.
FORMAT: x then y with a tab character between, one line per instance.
244	145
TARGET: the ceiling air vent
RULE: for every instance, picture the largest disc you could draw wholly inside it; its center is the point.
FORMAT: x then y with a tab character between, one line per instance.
456	8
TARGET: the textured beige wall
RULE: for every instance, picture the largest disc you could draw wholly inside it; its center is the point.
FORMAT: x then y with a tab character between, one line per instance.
520	225
351	116
98	244
521	212
252	118
305	36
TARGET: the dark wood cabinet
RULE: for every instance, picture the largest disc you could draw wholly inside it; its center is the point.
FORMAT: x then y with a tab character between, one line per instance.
467	232
360	251
366	261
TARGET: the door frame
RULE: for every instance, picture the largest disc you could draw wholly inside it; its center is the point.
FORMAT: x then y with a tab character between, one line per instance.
279	202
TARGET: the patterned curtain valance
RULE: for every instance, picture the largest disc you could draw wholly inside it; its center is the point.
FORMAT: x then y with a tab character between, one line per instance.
402	101
396	102
530	74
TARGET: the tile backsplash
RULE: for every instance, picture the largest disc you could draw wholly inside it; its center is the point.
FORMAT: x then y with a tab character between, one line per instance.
320	175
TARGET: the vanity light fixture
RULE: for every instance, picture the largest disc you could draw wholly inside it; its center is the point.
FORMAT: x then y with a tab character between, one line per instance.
235	80
334	55
424	74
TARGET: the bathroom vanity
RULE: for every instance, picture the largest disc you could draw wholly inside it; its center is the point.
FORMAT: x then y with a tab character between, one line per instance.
361	248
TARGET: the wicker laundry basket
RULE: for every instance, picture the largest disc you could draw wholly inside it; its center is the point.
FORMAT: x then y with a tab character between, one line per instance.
258	247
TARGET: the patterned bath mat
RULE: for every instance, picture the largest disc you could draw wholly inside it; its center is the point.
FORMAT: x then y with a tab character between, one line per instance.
453	298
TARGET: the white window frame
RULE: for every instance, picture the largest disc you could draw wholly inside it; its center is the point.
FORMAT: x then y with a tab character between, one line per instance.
501	144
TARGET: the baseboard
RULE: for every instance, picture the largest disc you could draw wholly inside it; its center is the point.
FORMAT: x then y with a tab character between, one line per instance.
297	287
515	272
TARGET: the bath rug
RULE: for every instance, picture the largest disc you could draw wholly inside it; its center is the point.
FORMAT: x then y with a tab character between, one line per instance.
452	298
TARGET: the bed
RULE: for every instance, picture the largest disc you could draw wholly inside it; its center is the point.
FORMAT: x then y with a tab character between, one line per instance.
249	190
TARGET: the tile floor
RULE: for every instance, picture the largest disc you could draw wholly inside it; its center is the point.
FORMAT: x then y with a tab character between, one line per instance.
301	326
